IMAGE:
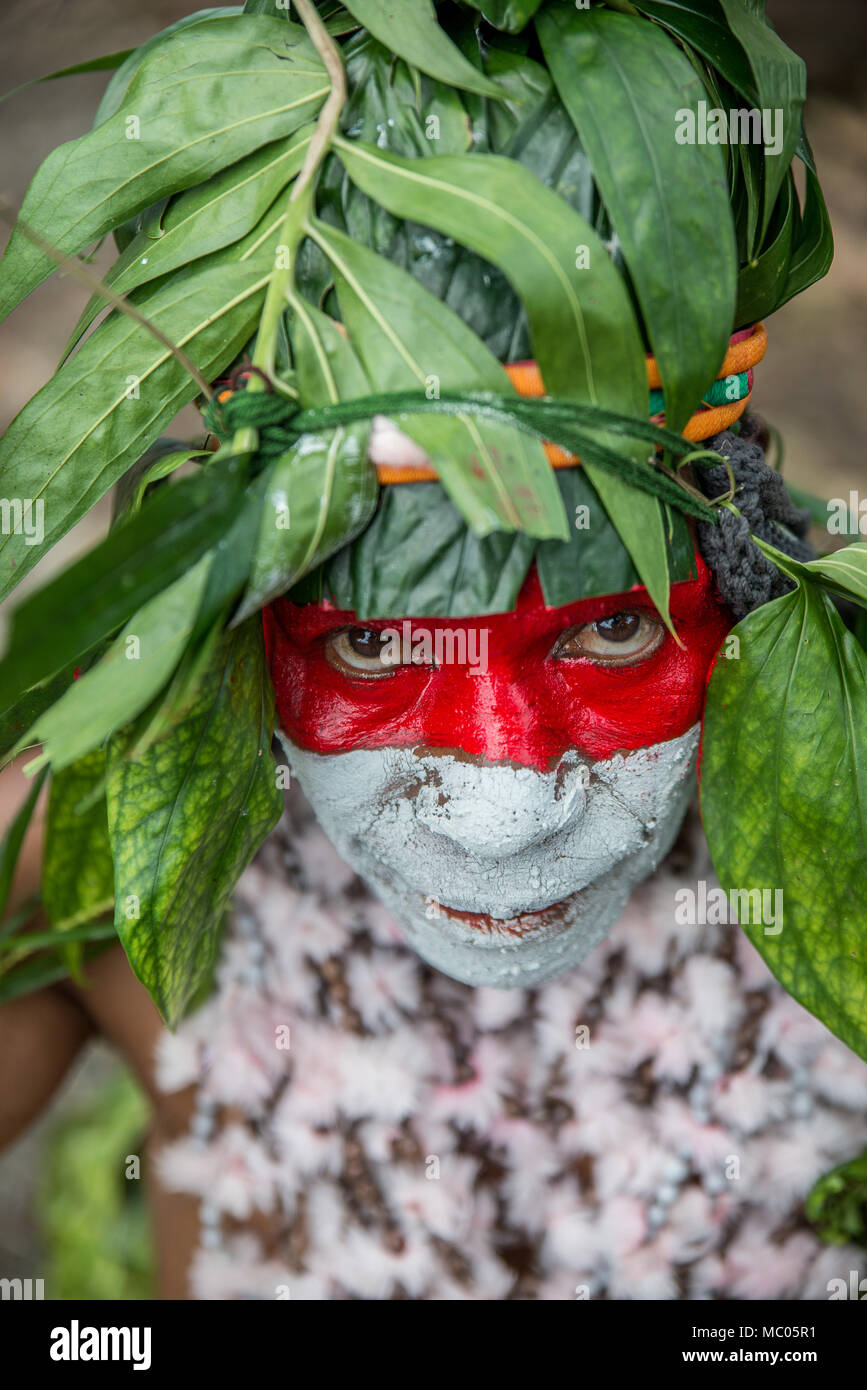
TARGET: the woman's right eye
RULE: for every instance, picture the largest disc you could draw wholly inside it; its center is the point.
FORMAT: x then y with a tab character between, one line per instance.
362	651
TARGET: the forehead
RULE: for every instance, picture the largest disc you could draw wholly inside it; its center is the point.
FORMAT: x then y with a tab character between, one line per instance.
691	604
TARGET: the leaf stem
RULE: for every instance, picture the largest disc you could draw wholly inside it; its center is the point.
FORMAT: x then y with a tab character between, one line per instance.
298	206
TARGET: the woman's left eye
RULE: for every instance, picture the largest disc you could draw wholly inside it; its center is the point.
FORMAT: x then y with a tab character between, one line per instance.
622	639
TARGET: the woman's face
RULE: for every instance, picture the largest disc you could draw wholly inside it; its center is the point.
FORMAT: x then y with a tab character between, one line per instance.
501	782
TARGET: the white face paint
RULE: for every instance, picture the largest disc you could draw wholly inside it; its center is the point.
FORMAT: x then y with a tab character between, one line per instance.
501	875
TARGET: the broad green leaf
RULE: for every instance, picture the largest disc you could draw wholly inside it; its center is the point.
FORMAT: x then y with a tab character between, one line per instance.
410	29
186	819
784	798
510	15
114	92
77	867
199	102
102	409
406	338
623	84
703	25
399	107
179	696
322	492
133	671
454	573
326	366
10	846
202	220
71	614
781	82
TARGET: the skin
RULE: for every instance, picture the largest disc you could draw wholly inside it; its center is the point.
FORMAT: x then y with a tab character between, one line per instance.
524	712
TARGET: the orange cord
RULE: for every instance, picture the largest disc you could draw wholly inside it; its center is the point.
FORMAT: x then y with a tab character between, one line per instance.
527	381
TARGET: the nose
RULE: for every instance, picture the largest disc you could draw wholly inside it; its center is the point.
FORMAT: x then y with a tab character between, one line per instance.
496	810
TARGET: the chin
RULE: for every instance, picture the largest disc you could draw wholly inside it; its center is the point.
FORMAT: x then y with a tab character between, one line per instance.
497	875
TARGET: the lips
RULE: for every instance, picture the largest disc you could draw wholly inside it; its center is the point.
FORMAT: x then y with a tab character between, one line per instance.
520	924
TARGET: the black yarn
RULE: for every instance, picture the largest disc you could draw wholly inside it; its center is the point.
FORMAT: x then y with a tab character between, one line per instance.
745	578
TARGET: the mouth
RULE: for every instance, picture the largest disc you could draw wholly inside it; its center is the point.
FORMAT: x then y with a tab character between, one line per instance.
520	924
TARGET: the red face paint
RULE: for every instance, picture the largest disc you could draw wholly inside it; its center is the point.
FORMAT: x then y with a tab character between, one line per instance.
527	708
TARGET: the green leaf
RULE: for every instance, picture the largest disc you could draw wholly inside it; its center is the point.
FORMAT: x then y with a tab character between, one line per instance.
784	798
392	103
89	601
529	125
47	969
844	571
813	249
99	412
202	220
21	709
584	333
623	83
322	492
117	87
134	669
510	15
312	507
202	100
186	819
387	573
594	560
10	846
155	465
640	523
837	1203
406	338
410	29
781	80
762	281
77	866
106	63
703	25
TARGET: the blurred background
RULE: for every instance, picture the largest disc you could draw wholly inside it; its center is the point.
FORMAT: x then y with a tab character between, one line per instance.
812	386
